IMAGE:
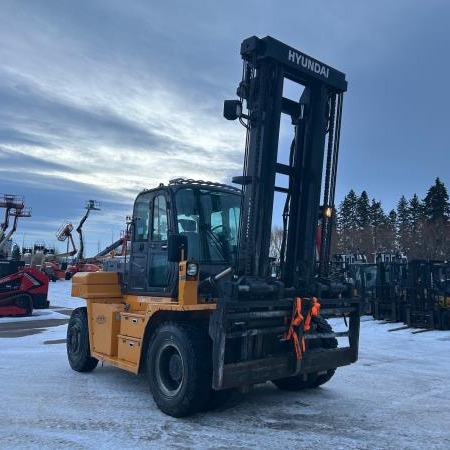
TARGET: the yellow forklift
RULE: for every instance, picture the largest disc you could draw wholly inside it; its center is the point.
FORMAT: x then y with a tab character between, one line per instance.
195	306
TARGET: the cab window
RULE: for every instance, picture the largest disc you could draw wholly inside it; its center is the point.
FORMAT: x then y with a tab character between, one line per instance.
159	230
142	218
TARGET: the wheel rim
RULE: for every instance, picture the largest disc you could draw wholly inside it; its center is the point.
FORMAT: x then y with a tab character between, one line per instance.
169	369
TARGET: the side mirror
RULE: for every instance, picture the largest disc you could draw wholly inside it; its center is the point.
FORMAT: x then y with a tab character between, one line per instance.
176	243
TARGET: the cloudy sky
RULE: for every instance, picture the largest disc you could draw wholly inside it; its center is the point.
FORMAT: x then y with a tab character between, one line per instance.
102	98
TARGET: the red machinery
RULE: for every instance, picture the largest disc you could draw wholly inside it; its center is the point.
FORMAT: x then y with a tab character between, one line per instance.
54	269
21	289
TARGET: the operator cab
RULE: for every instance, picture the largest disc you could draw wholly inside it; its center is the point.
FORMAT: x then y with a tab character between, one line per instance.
202	216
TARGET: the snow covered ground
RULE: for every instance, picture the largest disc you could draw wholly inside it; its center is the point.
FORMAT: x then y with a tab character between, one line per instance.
397	396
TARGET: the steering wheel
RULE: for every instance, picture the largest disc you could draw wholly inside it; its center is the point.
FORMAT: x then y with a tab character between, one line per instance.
216	227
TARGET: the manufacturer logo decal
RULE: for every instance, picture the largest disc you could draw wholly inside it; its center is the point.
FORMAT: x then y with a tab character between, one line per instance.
101	319
308	63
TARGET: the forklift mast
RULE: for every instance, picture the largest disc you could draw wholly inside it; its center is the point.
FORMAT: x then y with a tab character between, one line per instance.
316	118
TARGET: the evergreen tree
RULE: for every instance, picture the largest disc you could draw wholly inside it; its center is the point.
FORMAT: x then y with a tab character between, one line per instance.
392	218
435	229
363	210
386	232
402	214
376	214
348	216
403	224
421	229
416	213
436	205
347	222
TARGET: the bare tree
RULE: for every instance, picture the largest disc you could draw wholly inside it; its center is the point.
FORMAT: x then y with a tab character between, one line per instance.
276	238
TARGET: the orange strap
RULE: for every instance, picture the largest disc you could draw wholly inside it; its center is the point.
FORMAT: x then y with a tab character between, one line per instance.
296	320
291	333
313	312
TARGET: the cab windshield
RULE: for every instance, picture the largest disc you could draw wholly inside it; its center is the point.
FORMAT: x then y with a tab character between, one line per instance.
210	221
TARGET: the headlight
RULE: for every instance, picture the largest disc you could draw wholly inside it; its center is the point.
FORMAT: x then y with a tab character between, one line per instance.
328	212
192	269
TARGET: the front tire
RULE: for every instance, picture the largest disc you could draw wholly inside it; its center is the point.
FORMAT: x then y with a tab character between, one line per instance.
311	380
78	349
179	369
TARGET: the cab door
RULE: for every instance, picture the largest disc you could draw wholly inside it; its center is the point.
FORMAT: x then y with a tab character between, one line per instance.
150	271
140	243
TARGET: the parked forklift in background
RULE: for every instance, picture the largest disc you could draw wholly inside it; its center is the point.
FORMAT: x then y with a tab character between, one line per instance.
196	307
389	302
428	295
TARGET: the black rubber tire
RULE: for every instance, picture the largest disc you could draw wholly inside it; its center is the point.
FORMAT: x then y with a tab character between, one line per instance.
179	369
78	350
312	380
40	302
25	301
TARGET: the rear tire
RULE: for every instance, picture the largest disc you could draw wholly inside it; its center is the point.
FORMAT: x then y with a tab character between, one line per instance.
311	380
179	369
78	349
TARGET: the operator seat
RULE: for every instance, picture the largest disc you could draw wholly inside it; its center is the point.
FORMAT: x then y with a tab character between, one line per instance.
193	244
188	228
